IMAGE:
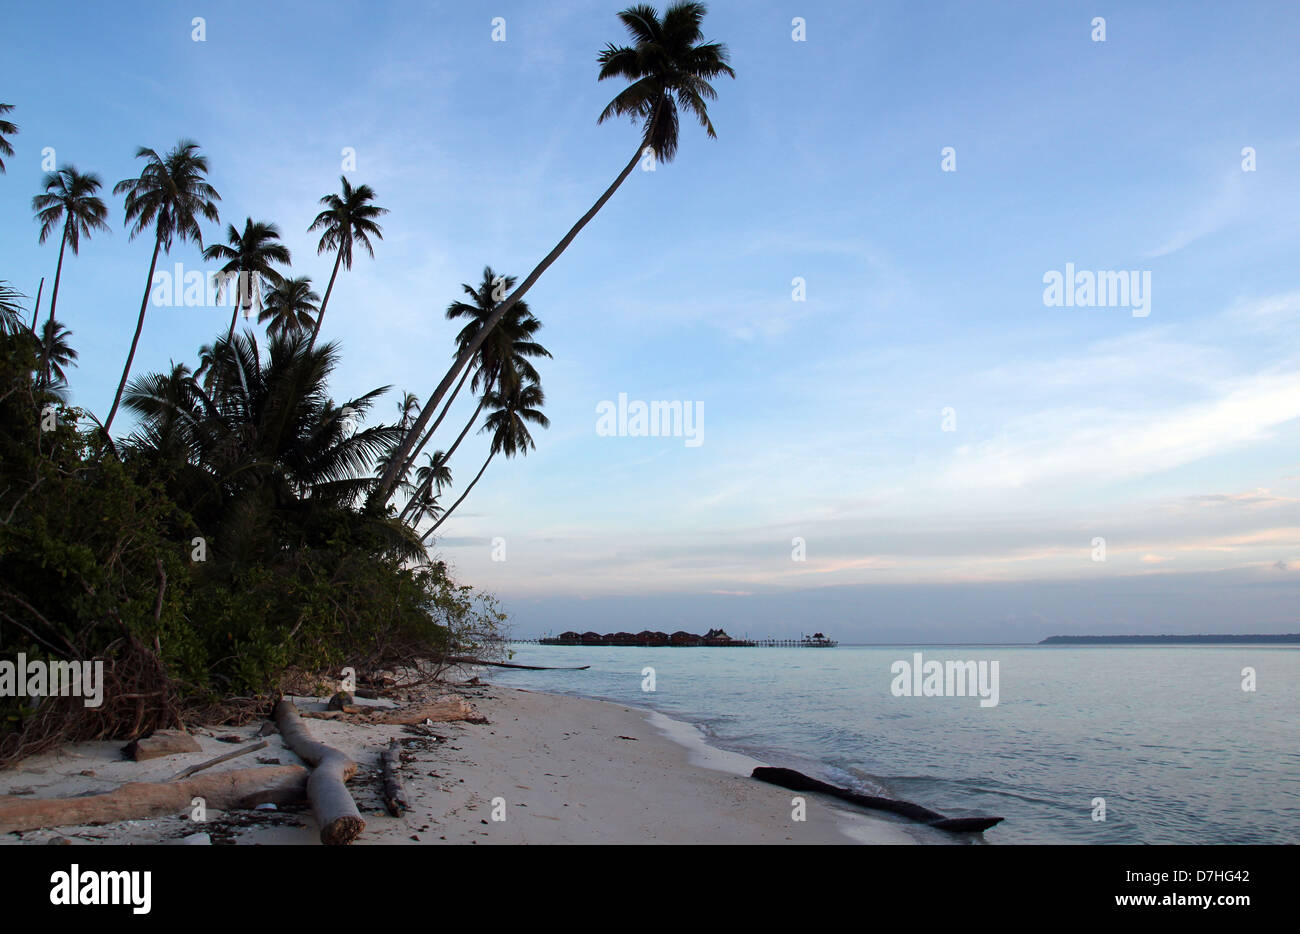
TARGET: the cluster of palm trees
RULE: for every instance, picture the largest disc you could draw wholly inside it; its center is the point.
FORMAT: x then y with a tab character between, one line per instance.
238	413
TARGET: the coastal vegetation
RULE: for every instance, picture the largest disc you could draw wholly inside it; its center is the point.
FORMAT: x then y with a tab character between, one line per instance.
247	526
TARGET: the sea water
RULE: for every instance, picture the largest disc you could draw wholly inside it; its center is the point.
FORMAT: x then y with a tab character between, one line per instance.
1129	745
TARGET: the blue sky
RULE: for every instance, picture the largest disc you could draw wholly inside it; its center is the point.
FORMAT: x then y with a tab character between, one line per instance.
1172	436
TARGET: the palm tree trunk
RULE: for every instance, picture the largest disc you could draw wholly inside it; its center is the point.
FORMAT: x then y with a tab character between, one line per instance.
58	272
447	456
384	491
410	461
139	326
234	315
320	315
54	296
444	516
36	311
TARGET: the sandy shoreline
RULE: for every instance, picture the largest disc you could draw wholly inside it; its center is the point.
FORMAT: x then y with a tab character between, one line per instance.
560	769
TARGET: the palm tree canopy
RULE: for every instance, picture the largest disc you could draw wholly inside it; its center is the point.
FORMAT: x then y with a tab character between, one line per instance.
55	352
508	347
12	314
69	202
436	473
513	409
265	440
668	67
289	305
171	194
348	218
7	129
257	250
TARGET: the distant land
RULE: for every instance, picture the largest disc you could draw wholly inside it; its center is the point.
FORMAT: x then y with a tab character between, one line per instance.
1222	639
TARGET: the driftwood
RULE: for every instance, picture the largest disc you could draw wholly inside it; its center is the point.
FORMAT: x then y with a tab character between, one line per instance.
797	781
394	793
186	773
479	661
440	710
239	788
161	743
331	803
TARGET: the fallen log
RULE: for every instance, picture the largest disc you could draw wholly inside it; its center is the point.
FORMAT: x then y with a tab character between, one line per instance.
394	793
331	803
480	661
797	781
441	710
239	788
186	773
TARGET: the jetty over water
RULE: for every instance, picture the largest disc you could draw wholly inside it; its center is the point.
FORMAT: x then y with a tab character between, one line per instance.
714	638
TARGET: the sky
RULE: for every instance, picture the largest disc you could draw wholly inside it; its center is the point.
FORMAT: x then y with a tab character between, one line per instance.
897	435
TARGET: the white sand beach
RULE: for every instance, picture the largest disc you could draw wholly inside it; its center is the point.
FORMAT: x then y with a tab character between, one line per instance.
559	769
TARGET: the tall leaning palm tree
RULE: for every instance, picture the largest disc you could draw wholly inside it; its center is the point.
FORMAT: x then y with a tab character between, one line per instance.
289	305
69	201
249	256
172	195
508	422
349	218
7	130
667	66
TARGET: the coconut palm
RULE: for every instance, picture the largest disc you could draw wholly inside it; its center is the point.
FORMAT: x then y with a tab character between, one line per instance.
508	422
668	66
69	202
265	450
12	317
172	195
510	345
54	355
289	305
250	257
7	129
348	218
430	480
502	360
207	356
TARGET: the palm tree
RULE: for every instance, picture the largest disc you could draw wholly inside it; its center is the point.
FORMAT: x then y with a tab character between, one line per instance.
12	317
289	305
252	255
503	359
668	66
171	194
265	453
7	129
205	372
430	480
347	219
513	410
510	347
69	202
55	354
